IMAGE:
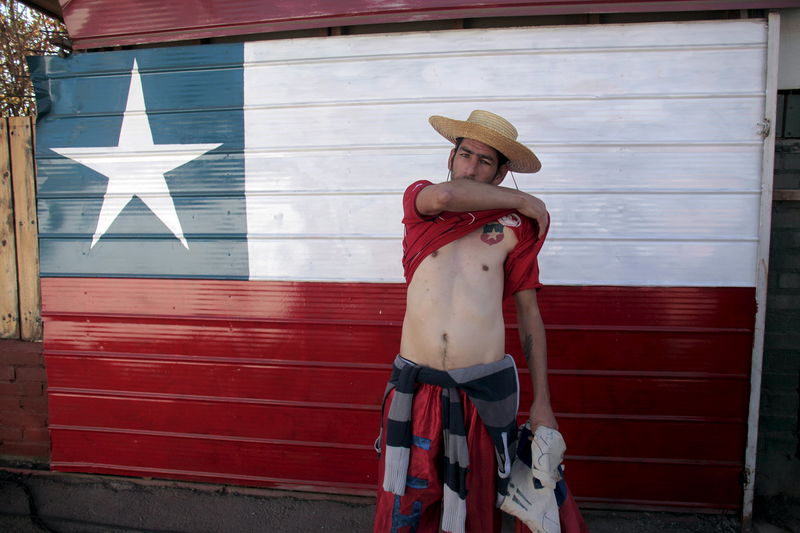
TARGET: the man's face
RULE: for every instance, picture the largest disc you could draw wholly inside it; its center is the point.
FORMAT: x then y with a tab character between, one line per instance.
476	161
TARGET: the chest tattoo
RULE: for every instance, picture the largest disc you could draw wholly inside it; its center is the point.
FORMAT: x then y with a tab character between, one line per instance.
492	233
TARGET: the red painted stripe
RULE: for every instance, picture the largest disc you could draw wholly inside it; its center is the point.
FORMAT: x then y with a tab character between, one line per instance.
252	463
347	470
646	484
296	425
293	424
224	340
724	399
199	369
614	308
101	23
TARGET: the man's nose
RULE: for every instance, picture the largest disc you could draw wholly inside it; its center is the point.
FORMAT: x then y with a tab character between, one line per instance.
472	167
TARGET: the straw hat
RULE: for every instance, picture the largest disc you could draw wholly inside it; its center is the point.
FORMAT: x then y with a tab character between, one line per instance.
492	130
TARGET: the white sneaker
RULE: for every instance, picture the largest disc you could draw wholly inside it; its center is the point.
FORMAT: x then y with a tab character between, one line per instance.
536	507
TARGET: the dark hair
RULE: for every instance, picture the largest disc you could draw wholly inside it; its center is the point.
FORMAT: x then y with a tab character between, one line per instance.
501	158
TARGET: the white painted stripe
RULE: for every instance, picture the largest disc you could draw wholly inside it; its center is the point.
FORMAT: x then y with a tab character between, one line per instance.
635	121
566	168
577	74
623	216
647	133
560	39
587	262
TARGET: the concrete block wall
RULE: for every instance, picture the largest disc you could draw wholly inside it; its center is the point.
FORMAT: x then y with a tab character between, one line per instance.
23	403
778	460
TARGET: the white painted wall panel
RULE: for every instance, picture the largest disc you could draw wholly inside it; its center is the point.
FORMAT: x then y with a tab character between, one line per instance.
561	121
568	167
584	262
598	262
619	216
562	39
648	135
581	73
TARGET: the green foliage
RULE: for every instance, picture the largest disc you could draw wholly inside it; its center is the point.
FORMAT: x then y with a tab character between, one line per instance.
23	32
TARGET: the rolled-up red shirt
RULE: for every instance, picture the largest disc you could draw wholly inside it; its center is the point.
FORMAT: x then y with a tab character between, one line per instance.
426	234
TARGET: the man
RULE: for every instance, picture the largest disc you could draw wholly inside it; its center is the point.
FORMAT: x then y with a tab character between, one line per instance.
449	425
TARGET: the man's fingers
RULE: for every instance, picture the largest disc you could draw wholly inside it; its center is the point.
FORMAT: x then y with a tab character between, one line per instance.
537	210
543	223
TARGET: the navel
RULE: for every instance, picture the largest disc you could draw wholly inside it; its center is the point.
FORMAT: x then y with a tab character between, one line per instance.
485	268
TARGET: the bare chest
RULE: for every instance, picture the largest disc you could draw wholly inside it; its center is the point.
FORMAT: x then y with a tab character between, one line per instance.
479	253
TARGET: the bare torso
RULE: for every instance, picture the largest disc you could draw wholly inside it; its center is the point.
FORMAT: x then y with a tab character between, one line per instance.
454	315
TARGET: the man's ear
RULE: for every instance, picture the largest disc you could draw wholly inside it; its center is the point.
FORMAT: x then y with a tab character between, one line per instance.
450	159
502	170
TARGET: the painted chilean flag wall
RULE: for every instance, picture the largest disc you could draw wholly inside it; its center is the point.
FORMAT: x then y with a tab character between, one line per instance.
220	247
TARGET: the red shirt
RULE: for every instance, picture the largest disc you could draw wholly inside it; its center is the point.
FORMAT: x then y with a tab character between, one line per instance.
426	234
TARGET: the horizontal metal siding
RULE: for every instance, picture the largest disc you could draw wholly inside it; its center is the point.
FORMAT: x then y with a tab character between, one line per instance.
237	380
630	123
652	178
105	23
650	300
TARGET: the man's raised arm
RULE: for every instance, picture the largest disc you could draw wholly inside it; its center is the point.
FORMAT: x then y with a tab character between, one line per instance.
466	195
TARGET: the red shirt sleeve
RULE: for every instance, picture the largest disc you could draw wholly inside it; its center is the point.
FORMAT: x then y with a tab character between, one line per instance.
410	213
522	264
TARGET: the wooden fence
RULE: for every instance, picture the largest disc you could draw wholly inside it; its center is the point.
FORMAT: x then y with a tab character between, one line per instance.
20	300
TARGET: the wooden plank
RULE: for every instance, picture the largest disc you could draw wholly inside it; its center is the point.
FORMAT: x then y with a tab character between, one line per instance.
762	267
786	195
9	297
27	232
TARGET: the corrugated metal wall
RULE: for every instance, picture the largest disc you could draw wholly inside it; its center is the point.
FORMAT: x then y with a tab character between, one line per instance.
106	23
648	136
651	151
278	384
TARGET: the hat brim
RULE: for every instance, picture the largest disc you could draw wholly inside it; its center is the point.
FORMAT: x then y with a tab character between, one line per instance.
520	157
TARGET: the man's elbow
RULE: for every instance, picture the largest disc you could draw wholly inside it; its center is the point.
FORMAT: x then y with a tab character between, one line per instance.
439	198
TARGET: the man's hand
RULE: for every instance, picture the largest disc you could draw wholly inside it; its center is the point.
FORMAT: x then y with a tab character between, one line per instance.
533	207
541	414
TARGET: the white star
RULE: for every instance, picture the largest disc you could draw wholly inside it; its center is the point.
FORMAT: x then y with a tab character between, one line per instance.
136	166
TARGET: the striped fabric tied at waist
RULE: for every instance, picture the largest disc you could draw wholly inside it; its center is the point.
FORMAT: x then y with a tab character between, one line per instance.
493	389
